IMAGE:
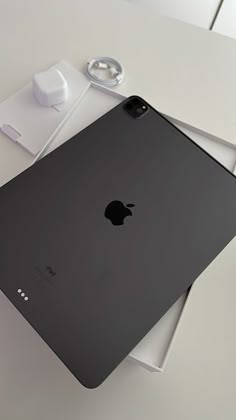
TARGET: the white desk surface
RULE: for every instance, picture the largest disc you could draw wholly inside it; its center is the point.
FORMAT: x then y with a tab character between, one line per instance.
199	381
36	34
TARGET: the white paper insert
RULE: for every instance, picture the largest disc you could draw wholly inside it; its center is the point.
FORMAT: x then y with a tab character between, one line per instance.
32	125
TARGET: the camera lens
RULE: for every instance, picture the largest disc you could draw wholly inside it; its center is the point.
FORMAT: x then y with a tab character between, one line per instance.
129	105
136	101
136	107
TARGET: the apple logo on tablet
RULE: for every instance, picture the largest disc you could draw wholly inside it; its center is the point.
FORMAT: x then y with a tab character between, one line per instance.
116	212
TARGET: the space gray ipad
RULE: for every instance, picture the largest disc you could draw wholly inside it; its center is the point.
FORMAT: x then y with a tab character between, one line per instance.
102	236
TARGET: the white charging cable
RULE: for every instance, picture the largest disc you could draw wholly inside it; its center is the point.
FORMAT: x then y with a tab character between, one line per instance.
99	67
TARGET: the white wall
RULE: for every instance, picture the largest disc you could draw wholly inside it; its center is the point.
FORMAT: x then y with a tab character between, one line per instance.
197	12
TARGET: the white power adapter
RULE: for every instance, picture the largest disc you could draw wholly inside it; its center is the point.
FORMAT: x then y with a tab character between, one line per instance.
50	87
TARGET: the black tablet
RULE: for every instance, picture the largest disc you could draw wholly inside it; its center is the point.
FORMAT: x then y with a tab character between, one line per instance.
102	236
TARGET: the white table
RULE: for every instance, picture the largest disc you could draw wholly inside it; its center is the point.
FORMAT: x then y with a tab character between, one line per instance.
199	379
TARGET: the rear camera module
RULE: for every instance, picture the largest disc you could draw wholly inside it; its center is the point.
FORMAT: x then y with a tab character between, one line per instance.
136	107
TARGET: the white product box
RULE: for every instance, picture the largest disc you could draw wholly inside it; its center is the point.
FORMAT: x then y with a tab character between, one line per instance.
153	351
32	125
